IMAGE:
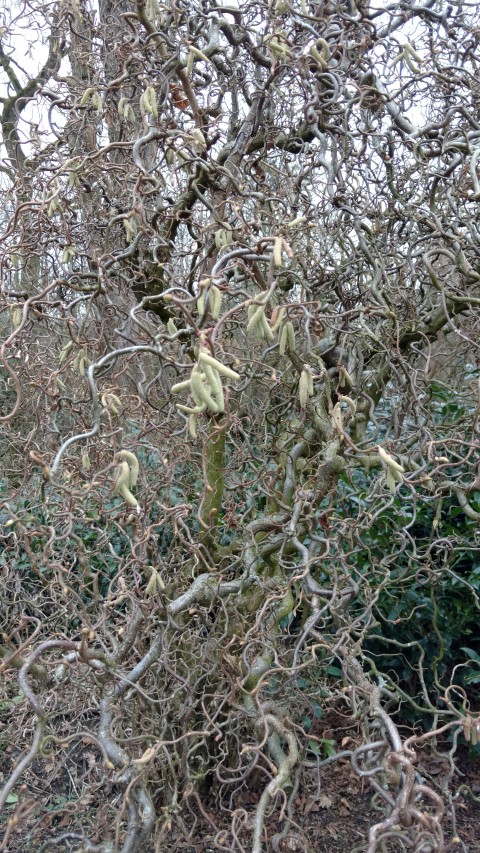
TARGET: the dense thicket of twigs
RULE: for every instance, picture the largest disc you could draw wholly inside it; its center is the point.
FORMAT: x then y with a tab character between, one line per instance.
275	204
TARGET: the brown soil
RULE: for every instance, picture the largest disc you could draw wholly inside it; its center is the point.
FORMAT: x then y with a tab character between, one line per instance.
336	817
332	818
332	810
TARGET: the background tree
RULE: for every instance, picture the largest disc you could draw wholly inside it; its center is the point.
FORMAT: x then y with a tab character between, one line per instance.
240	298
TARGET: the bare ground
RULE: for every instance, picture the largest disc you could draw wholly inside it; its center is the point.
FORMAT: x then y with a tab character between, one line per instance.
332	811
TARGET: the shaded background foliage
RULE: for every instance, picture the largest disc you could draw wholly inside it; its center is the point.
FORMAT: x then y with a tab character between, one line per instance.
274	205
